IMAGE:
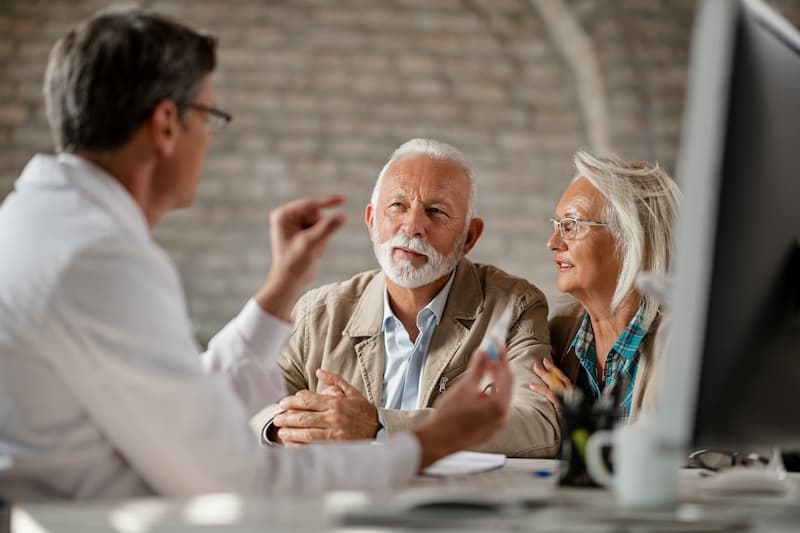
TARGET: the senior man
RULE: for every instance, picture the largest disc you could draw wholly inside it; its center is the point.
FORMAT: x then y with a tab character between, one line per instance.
369	356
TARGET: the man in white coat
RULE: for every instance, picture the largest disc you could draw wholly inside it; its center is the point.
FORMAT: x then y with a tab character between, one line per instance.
102	391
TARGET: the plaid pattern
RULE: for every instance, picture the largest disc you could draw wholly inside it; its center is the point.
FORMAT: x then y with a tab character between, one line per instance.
622	361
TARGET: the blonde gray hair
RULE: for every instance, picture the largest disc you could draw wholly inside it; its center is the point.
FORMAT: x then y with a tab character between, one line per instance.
436	150
641	209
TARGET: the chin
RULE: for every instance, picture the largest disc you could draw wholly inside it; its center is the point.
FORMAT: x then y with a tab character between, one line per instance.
565	286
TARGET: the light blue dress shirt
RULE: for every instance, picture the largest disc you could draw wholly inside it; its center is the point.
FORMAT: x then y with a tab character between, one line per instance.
404	359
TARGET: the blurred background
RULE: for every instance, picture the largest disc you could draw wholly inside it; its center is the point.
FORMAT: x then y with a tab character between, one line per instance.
322	91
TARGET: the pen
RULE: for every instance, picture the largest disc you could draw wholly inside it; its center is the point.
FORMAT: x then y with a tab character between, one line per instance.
553	382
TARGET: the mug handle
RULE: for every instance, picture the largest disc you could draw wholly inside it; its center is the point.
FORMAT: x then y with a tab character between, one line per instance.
594	456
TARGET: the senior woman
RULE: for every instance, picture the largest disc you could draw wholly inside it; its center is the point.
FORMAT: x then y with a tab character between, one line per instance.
614	221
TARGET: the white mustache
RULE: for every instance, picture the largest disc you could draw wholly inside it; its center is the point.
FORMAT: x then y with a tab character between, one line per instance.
415	245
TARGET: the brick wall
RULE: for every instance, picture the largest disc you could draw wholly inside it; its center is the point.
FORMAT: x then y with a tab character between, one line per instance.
323	90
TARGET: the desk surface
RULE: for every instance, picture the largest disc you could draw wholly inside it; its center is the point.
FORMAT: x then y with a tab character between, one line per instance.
569	509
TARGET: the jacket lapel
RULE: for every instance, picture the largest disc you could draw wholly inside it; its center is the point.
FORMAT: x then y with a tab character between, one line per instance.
464	303
365	328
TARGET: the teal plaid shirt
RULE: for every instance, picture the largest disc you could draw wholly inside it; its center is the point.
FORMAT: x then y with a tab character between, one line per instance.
622	361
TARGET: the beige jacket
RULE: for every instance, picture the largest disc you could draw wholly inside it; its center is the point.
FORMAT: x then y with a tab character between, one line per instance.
338	327
564	324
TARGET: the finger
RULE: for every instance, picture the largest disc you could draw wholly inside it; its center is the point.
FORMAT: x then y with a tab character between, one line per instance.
335	380
310	206
294	436
333	391
302	213
502	376
320	231
299	419
306	401
556	372
477	368
321	202
549	378
547	393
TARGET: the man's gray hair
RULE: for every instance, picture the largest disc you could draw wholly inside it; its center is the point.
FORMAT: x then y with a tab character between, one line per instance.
641	211
436	150
105	77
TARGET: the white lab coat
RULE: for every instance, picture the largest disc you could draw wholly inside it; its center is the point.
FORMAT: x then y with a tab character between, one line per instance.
102	390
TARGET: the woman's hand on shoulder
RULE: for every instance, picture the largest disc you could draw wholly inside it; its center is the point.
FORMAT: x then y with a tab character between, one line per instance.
554	382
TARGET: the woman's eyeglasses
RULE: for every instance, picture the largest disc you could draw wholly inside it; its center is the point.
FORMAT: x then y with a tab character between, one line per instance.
568	227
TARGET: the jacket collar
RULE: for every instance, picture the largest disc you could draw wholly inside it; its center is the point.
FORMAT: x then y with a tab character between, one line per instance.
367	317
466	284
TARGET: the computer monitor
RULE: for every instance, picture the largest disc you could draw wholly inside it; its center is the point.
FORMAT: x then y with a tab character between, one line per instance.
733	364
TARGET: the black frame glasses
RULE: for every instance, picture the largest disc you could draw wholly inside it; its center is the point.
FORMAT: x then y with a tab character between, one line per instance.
218	119
572	231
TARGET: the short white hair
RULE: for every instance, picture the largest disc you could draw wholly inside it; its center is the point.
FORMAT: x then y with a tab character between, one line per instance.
641	212
435	150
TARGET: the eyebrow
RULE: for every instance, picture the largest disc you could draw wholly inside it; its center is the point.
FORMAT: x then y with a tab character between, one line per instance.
399	192
441	201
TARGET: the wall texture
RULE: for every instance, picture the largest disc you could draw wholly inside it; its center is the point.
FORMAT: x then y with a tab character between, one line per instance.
323	90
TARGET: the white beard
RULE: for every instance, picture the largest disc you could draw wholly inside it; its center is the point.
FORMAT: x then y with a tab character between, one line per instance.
403	272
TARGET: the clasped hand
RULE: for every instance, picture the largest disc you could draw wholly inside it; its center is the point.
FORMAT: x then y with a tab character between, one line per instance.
340	412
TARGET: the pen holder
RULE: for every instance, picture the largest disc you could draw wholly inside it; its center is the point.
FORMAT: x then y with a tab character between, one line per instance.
580	419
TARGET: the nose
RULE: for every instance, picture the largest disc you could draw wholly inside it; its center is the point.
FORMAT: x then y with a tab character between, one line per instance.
414	220
555	242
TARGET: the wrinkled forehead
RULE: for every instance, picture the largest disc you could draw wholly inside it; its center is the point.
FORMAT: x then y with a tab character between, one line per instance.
425	178
582	200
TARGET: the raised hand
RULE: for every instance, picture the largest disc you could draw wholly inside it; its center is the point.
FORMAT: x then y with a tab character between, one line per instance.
468	414
299	234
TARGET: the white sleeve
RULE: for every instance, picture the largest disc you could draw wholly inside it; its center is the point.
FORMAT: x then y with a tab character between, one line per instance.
245	351
126	352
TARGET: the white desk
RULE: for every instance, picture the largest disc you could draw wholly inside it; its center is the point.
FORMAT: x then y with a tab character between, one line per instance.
570	509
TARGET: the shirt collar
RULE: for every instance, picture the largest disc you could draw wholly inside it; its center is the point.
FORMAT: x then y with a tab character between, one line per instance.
583	341
106	192
436	306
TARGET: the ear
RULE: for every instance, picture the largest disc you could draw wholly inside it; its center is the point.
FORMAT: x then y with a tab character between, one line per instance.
473	233
164	127
369	215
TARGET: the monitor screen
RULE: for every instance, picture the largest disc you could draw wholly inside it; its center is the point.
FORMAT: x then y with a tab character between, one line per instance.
733	364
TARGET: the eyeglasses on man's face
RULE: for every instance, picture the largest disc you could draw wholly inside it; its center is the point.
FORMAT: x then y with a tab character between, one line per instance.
217	118
568	227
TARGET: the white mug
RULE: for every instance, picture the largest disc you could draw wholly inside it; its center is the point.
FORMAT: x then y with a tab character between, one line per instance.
645	475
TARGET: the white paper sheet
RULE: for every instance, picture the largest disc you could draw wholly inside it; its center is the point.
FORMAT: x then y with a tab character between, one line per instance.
465	463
